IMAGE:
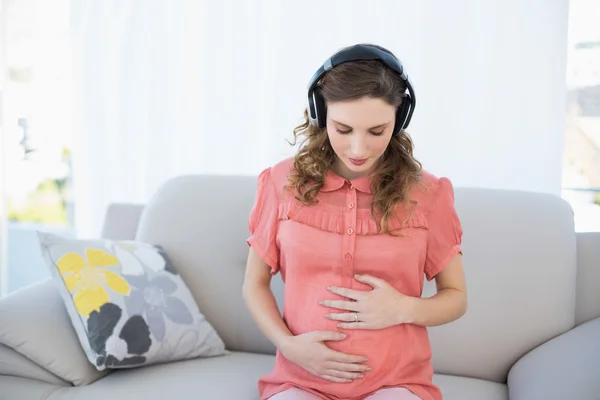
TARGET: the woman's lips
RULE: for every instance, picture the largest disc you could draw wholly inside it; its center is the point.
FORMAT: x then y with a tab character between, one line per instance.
357	161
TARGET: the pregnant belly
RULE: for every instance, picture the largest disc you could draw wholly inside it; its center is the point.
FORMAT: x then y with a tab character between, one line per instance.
382	347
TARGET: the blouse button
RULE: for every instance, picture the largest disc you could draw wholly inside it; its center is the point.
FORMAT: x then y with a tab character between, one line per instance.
348	256
350	231
351	205
352	187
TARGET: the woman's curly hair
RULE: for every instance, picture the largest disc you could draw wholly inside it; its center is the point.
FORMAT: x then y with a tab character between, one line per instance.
398	170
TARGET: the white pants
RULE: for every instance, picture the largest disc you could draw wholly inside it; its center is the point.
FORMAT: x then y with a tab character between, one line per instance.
383	394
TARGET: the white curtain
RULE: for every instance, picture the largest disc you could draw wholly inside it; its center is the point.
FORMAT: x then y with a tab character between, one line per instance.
170	87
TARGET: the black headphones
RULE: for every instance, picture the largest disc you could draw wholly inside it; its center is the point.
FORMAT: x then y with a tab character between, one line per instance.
317	110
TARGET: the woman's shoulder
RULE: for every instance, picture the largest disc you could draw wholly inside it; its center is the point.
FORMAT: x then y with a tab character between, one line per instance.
430	188
281	171
277	174
433	181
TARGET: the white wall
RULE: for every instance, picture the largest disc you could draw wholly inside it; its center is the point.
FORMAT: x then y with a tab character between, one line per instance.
493	94
167	88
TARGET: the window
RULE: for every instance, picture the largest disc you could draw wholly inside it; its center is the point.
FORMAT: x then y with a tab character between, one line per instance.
581	173
36	129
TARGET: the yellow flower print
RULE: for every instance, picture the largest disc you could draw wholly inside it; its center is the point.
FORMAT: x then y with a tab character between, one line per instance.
84	279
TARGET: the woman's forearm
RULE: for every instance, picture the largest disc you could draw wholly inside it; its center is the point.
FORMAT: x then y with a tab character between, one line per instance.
445	306
263	308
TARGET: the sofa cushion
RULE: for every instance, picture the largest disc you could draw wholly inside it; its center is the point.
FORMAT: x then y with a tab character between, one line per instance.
202	223
17	365
234	377
460	388
35	323
127	303
12	388
121	221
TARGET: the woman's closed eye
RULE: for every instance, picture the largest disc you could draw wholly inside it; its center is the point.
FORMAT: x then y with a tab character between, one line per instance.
341	132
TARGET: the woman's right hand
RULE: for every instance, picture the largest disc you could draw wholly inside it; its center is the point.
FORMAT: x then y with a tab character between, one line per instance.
309	352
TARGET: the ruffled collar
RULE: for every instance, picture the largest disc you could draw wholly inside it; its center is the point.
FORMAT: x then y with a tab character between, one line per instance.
335	182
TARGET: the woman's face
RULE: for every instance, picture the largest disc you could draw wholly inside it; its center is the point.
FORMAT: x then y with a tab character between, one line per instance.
359	132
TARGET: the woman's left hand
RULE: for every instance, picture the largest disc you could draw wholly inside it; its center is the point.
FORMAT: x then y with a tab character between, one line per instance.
379	308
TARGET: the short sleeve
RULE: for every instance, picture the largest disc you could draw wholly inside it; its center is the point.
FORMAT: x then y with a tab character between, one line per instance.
445	230
263	221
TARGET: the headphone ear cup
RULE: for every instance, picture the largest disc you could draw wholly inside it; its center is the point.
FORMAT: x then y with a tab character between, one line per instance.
401	114
320	108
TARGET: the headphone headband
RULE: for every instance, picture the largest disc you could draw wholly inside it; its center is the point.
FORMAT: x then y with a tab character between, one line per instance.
316	102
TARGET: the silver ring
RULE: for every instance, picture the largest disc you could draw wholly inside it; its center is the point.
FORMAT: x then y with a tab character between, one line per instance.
355	317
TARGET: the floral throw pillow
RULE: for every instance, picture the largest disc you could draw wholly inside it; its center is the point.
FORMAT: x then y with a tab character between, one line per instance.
127	303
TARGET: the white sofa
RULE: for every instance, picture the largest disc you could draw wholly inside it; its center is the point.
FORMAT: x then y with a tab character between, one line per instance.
532	330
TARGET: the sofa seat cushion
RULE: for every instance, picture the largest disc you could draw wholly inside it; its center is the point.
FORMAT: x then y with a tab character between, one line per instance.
460	388
232	376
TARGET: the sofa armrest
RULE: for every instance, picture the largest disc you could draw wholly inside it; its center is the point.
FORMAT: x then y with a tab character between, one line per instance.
34	322
565	367
13	388
17	365
588	277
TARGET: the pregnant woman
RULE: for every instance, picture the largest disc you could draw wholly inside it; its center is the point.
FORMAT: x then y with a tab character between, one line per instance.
354	225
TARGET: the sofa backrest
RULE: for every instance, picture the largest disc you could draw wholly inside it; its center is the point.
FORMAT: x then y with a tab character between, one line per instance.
202	223
521	268
519	253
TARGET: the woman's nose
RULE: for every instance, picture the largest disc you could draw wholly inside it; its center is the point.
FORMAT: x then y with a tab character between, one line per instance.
358	147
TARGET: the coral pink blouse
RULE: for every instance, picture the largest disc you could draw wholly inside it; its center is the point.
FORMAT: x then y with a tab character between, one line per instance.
326	244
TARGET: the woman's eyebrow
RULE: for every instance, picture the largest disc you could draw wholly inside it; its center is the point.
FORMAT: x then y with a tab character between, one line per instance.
349	127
